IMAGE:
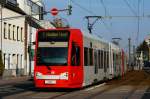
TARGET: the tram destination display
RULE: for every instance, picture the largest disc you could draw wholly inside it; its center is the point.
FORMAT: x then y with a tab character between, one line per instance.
53	36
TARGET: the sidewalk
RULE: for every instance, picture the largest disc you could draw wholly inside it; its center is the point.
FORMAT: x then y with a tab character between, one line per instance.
14	80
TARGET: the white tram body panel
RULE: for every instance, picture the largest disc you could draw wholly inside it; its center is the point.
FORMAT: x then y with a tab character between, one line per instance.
104	62
94	72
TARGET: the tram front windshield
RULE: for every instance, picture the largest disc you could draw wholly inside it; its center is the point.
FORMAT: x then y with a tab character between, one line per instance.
52	49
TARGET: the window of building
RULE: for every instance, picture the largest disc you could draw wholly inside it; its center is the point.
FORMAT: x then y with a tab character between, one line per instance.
4	59
85	56
9	61
35	8
17	33
21	34
14	32
41	13
29	2
21	61
17	64
12	2
5	34
9	31
14	60
17	61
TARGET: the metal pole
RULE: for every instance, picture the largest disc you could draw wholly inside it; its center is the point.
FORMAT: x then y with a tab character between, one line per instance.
149	50
138	22
30	31
1	24
129	39
134	54
30	38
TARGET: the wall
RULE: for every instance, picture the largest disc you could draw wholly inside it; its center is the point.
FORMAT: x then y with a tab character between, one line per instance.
13	43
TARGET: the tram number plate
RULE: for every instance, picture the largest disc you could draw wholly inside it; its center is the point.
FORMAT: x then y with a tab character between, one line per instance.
50	81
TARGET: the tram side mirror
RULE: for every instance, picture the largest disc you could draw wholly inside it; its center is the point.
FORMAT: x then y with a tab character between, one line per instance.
33	43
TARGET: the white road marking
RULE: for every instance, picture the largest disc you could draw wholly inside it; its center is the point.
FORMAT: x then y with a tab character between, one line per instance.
100	85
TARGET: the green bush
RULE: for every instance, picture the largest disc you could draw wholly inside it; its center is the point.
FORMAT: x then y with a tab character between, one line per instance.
1	64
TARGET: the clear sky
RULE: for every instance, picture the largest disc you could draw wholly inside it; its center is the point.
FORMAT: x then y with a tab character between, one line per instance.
122	27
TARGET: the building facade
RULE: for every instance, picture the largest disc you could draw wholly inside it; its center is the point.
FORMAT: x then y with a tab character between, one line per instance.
12	38
20	21
33	8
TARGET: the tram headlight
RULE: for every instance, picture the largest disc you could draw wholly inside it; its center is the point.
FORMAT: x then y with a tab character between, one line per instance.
64	75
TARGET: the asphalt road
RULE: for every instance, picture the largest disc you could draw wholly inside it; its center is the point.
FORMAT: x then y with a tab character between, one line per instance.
135	87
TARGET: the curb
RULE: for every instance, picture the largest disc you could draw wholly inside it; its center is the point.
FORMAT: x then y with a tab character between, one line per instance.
13	80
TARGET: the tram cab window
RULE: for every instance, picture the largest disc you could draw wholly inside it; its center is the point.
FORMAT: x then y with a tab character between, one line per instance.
75	55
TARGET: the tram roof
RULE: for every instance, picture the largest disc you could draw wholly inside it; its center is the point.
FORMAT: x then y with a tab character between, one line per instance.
94	36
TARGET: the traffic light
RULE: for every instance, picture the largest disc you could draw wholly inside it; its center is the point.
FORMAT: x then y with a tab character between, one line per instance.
69	9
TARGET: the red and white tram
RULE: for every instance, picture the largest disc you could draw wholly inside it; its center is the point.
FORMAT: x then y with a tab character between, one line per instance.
68	58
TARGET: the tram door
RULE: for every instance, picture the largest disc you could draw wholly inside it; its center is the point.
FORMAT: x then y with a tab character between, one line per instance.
76	64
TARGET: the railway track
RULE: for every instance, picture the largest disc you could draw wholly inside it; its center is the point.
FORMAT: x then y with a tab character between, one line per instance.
134	79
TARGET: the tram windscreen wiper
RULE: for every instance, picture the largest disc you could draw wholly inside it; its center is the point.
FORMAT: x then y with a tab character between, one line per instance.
48	67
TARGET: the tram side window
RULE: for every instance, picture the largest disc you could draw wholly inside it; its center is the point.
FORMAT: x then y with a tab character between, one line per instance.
85	56
117	56
117	59
101	62
75	55
99	59
114	61
120	59
107	59
95	58
91	56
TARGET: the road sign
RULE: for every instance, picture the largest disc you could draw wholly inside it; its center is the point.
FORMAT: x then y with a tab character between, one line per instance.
54	11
